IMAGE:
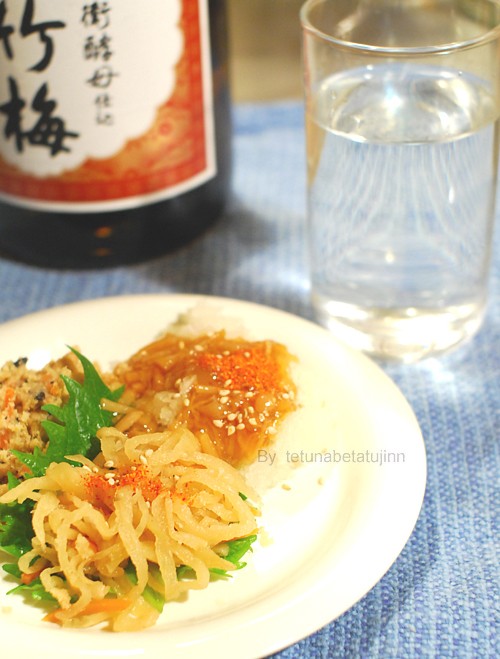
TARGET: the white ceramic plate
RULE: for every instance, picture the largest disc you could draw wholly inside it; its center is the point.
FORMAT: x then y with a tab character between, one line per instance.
340	498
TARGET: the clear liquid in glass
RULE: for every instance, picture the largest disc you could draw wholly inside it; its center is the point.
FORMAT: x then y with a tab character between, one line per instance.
402	181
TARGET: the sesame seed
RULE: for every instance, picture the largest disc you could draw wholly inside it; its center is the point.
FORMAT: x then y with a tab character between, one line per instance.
247	355
109	463
252	422
108	476
218	423
286	396
143	459
186	402
95	470
232	416
149	452
271	430
224	392
224	400
240	426
198	348
228	382
251	409
231	430
249	394
111	481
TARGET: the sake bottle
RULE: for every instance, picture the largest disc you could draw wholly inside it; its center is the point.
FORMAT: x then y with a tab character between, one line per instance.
114	128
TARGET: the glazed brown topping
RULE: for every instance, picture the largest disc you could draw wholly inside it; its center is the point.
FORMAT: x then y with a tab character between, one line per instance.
231	393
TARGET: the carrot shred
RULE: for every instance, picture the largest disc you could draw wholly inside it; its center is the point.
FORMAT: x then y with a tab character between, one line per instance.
109	605
8	400
5	436
51	617
28	577
106	605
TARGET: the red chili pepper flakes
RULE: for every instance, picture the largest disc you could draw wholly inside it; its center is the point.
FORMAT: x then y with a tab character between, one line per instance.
138	477
247	368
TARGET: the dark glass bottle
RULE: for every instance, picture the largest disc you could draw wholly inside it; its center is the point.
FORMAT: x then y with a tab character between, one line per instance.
82	237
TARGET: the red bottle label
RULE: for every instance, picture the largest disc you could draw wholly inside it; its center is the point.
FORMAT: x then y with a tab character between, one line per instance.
104	105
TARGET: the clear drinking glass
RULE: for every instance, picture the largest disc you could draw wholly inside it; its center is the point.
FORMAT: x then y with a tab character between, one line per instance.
402	109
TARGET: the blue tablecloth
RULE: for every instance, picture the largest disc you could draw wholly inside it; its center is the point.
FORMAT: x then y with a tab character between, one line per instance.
441	596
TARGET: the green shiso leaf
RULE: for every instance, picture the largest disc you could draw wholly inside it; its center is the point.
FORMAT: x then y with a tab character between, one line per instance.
76	422
236	550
